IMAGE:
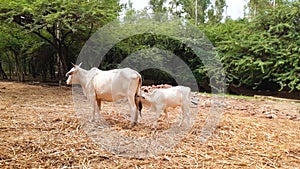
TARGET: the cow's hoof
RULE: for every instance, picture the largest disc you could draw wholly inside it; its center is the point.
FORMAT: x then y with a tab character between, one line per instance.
132	124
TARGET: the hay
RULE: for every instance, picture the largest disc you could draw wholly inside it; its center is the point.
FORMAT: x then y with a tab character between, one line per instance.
39	129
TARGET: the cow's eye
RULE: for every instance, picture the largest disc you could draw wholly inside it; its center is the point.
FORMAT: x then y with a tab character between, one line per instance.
70	73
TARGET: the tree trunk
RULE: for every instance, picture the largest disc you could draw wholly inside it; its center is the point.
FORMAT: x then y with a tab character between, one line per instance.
4	76
19	71
33	66
62	56
63	63
10	69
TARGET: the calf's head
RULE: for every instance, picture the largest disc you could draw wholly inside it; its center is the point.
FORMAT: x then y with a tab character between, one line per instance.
145	99
72	75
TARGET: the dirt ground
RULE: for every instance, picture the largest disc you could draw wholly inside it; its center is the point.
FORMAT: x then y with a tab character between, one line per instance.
39	128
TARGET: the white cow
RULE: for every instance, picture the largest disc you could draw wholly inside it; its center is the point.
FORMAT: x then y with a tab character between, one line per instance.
109	86
161	99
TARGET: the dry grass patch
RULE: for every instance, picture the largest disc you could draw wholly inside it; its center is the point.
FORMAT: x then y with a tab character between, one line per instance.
39	129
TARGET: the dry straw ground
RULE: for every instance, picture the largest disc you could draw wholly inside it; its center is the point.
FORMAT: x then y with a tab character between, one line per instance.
39	129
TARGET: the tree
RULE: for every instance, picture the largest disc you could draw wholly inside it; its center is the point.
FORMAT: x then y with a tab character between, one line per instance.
2	73
256	7
157	6
215	13
186	8
264	52
57	22
14	46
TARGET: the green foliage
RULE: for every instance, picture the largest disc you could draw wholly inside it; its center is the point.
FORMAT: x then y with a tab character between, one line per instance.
257	53
262	52
187	9
65	25
157	6
215	13
15	47
257	7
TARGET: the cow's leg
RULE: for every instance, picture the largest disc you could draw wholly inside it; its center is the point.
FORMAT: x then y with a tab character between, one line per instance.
138	104
133	110
99	104
95	109
95	106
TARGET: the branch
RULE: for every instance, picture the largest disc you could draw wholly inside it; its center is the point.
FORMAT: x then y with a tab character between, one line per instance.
18	21
91	30
46	39
65	35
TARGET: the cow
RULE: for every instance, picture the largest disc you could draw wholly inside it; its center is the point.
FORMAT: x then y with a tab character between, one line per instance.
111	85
161	99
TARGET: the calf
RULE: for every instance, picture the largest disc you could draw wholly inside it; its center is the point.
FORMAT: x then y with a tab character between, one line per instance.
161	99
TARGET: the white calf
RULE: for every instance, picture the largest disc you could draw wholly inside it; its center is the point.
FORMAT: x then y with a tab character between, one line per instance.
161	99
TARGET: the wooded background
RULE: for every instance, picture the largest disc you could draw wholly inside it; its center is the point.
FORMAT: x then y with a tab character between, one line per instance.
261	51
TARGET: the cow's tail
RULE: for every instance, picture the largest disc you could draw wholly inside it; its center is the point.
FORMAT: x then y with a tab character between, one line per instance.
138	95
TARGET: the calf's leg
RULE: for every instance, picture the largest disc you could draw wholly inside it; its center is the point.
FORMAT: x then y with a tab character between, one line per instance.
185	114
159	109
166	114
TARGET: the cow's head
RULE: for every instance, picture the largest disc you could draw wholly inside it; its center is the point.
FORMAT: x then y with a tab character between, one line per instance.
72	78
